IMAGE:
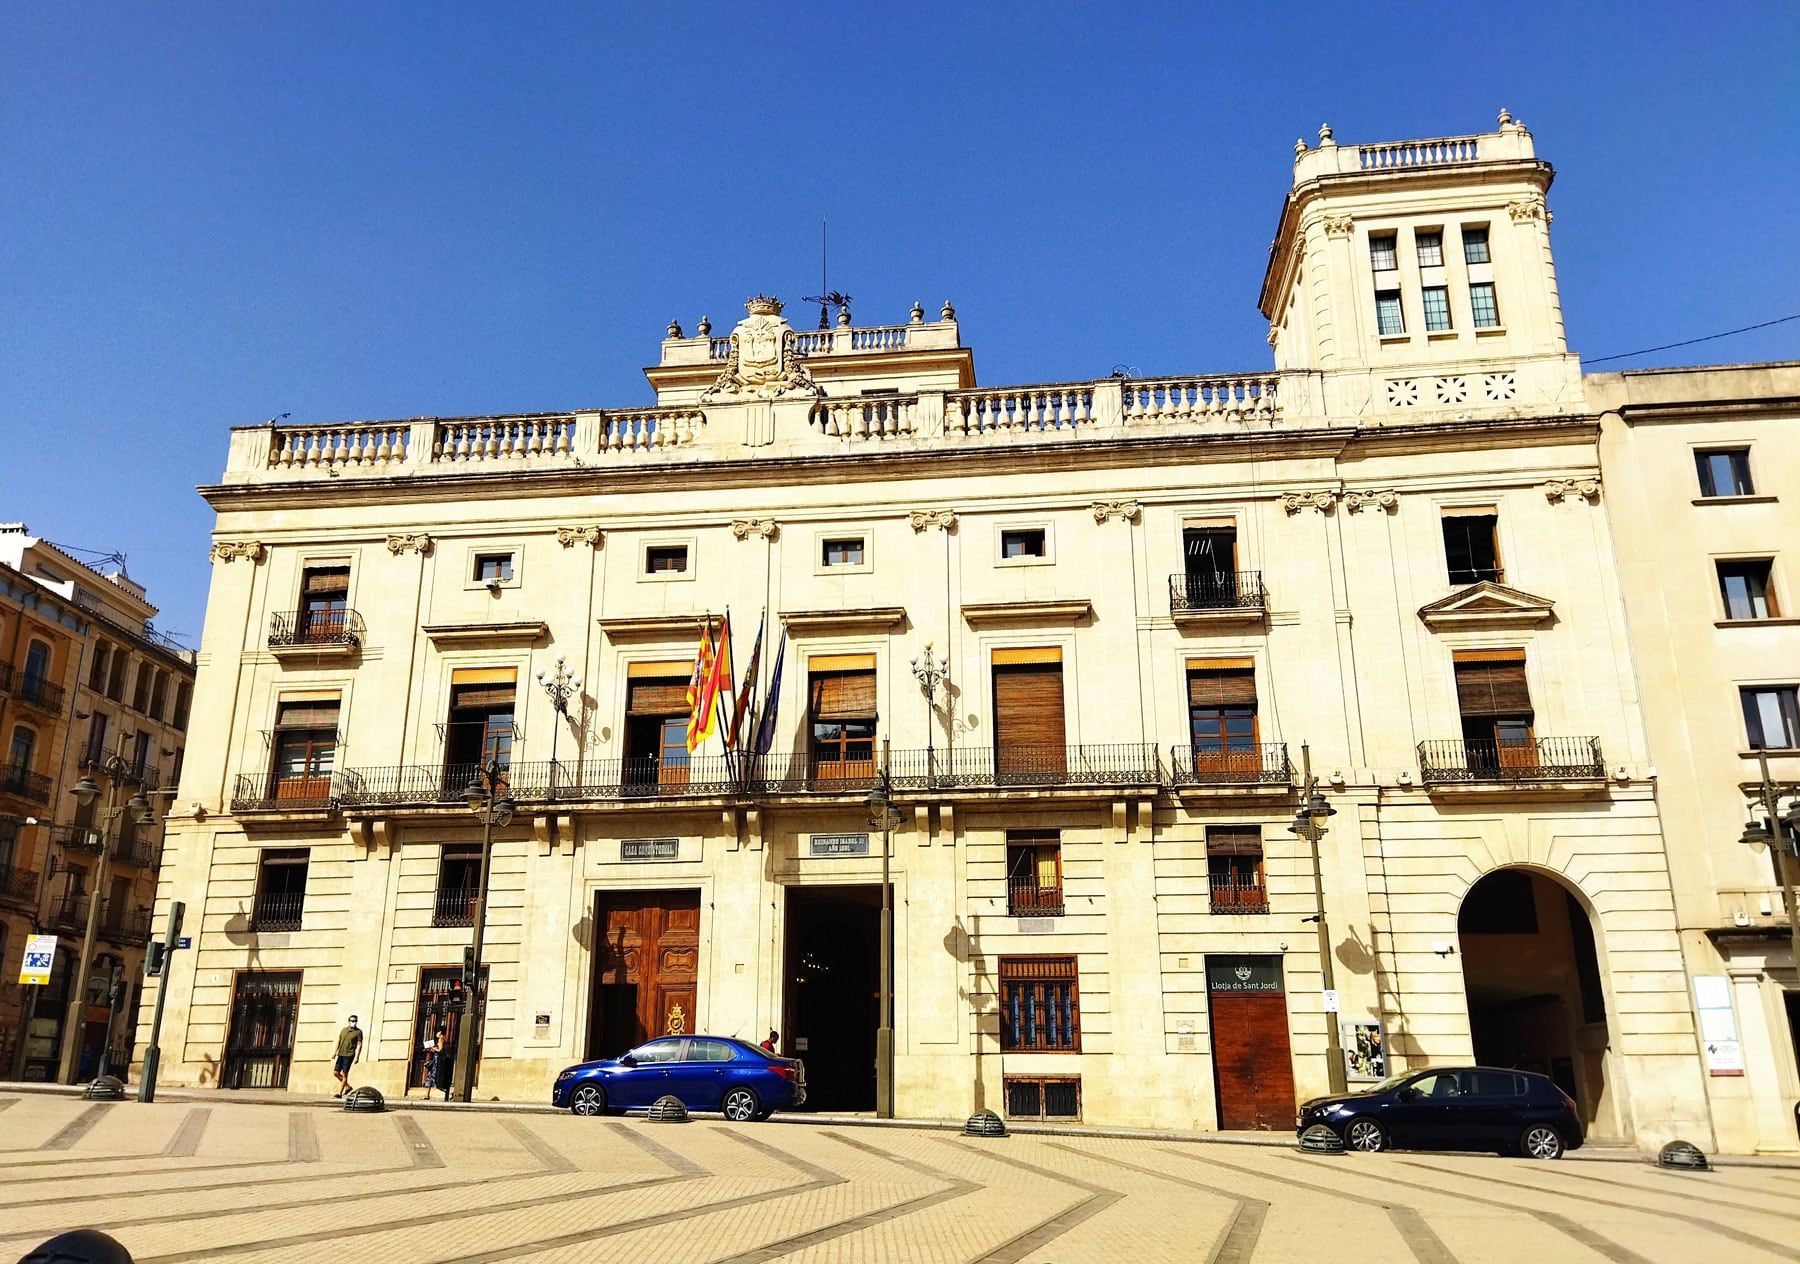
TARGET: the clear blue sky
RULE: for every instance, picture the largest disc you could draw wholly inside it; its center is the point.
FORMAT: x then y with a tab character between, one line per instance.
214	213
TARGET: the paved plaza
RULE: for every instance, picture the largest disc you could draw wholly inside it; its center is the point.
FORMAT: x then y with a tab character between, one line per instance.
230	1181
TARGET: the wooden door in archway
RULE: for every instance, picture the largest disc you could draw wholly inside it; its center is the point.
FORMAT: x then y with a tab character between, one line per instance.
647	968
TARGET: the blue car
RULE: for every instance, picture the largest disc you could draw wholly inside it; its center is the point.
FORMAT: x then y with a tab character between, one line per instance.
703	1072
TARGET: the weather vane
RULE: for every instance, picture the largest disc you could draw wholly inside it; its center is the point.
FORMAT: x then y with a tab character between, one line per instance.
828	298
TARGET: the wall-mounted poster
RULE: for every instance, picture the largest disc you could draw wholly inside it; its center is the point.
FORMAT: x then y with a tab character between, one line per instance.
1365	1051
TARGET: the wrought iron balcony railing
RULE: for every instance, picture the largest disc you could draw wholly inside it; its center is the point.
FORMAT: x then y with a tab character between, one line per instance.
134	848
40	693
277	910
18	886
33	787
77	838
1233	893
1264	763
323	628
128	928
1028	899
454	907
1217	590
266	792
68	915
1545	759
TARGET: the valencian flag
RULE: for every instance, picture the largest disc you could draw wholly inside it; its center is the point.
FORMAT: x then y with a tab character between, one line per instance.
700	713
765	729
736	732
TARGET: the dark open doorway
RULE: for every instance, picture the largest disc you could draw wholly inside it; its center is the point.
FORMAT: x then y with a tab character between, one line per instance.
832	1006
1536	1001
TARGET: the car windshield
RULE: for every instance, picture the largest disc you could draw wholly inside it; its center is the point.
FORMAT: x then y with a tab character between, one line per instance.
656	1051
1392	1082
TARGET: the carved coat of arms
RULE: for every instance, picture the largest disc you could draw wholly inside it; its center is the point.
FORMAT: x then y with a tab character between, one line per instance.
763	363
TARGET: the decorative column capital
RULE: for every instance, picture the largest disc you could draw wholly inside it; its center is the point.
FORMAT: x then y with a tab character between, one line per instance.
762	528
1123	510
417	542
569	537
920	519
1587	489
231	550
1387	501
1337	225
1294	502
1528	208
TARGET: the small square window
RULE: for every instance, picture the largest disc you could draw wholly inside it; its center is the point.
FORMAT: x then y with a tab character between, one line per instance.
666	559
1437	307
494	568
1388	320
1484	306
843	552
1023	542
1431	248
1725	472
1381	253
1746	590
1772	718
1475	244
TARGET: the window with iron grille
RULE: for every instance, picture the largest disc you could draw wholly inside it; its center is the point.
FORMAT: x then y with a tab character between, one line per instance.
1485	307
1234	869
280	889
1475	243
1437	307
1430	246
1047	1097
1034	873
459	881
1040	1009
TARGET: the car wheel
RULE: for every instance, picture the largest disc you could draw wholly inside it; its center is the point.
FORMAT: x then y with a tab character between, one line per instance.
741	1106
589	1099
1365	1135
1541	1141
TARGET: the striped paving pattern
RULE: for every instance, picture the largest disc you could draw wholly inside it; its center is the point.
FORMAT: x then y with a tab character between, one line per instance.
254	1183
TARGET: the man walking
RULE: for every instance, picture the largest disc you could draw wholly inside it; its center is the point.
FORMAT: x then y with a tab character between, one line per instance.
349	1045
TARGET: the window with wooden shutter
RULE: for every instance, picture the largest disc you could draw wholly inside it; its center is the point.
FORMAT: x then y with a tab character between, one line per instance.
1029	737
1234	864
1040	1008
1495	703
305	747
1034	873
1222	718
480	729
842	712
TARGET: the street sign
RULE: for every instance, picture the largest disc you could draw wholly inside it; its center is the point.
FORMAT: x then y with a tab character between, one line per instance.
40	955
186	941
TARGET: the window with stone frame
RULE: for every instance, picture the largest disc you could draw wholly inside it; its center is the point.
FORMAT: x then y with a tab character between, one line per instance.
459	881
280	889
1040	1005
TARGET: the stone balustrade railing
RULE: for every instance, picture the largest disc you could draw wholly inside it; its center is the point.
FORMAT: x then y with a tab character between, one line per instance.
1005	413
1437	152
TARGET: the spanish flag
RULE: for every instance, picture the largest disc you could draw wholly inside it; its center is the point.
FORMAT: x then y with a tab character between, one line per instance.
712	674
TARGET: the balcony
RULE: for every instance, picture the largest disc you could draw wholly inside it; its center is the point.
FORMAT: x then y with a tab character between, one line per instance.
68	915
1264	764
1238	893
39	693
1027	899
454	907
18	887
1217	597
77	838
130	848
6	677
1545	761
277	911
22	783
128	928
262	792
315	633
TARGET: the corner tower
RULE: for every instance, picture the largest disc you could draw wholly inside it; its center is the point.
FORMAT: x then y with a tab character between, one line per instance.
1415	277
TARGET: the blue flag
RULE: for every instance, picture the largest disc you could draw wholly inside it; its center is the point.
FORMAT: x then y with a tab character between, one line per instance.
765	730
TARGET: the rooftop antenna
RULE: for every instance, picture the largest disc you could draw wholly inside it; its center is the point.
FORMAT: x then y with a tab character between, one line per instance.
827	298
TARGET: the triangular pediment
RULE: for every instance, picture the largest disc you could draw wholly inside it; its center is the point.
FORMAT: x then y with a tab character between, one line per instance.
1488	604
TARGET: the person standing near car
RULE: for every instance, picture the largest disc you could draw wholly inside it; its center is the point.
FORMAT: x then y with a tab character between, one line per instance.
768	1045
349	1046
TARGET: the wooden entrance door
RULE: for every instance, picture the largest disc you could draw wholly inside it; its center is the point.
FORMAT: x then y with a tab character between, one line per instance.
647	968
1253	1067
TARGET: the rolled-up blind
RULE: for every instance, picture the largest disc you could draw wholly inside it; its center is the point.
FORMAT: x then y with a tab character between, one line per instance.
1221	686
1028	704
662	696
843	695
484	688
307	715
1491	684
1233	840
324	581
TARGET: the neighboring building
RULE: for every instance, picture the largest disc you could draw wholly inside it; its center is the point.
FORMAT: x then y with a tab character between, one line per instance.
1151	597
1700	469
115	688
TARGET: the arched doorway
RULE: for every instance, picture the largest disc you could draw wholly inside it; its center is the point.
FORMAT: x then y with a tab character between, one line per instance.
1531	971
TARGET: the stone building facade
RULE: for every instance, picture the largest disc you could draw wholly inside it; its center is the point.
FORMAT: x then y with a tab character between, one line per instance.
93	690
1157	604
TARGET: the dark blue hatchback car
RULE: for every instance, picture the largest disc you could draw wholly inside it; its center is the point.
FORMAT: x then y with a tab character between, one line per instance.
703	1072
1453	1108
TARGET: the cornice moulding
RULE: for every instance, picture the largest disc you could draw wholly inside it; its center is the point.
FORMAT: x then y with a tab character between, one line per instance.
882	619
461	635
653	626
1487	604
991	613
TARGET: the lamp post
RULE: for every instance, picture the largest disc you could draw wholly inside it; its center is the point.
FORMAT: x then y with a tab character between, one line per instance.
491	802
930	673
883	816
561	685
1309	823
1782	832
118	772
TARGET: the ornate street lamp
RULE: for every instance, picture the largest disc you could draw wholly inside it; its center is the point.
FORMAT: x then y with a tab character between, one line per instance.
491	802
1309	823
1780	830
884	817
119	771
560	685
930	673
